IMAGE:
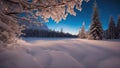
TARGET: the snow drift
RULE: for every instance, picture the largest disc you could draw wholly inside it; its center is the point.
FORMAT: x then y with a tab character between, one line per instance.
62	53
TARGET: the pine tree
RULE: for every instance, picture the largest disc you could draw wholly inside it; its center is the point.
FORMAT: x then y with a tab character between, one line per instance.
118	28
106	34
61	30
96	31
111	29
82	33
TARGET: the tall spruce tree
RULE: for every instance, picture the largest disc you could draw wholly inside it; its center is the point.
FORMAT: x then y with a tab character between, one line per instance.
118	28
82	33
111	29
96	31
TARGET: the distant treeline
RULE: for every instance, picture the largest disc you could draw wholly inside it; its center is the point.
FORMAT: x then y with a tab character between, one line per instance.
44	33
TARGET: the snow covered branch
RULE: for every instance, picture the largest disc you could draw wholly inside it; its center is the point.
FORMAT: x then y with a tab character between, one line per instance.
56	9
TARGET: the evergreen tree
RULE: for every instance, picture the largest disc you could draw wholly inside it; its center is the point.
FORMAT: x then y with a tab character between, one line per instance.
118	28
96	31
111	29
61	30
106	34
82	33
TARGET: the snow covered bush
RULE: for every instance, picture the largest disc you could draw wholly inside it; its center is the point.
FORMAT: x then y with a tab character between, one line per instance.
55	9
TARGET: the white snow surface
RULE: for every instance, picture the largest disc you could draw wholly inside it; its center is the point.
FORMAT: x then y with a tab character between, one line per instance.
62	53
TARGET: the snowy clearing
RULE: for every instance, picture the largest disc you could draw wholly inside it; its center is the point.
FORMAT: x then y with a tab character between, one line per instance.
62	53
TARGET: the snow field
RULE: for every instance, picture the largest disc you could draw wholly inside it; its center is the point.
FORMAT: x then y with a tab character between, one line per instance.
62	53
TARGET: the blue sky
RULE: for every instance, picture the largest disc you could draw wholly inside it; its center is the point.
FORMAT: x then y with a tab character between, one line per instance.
72	24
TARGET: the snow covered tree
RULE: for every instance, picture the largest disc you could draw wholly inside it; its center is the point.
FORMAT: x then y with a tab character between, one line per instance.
55	9
82	32
95	31
9	29
111	29
61	30
118	28
106	34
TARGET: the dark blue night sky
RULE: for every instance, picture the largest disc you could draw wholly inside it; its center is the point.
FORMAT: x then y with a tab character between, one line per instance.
72	24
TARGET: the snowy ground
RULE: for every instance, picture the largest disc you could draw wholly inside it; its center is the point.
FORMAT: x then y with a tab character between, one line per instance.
62	53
